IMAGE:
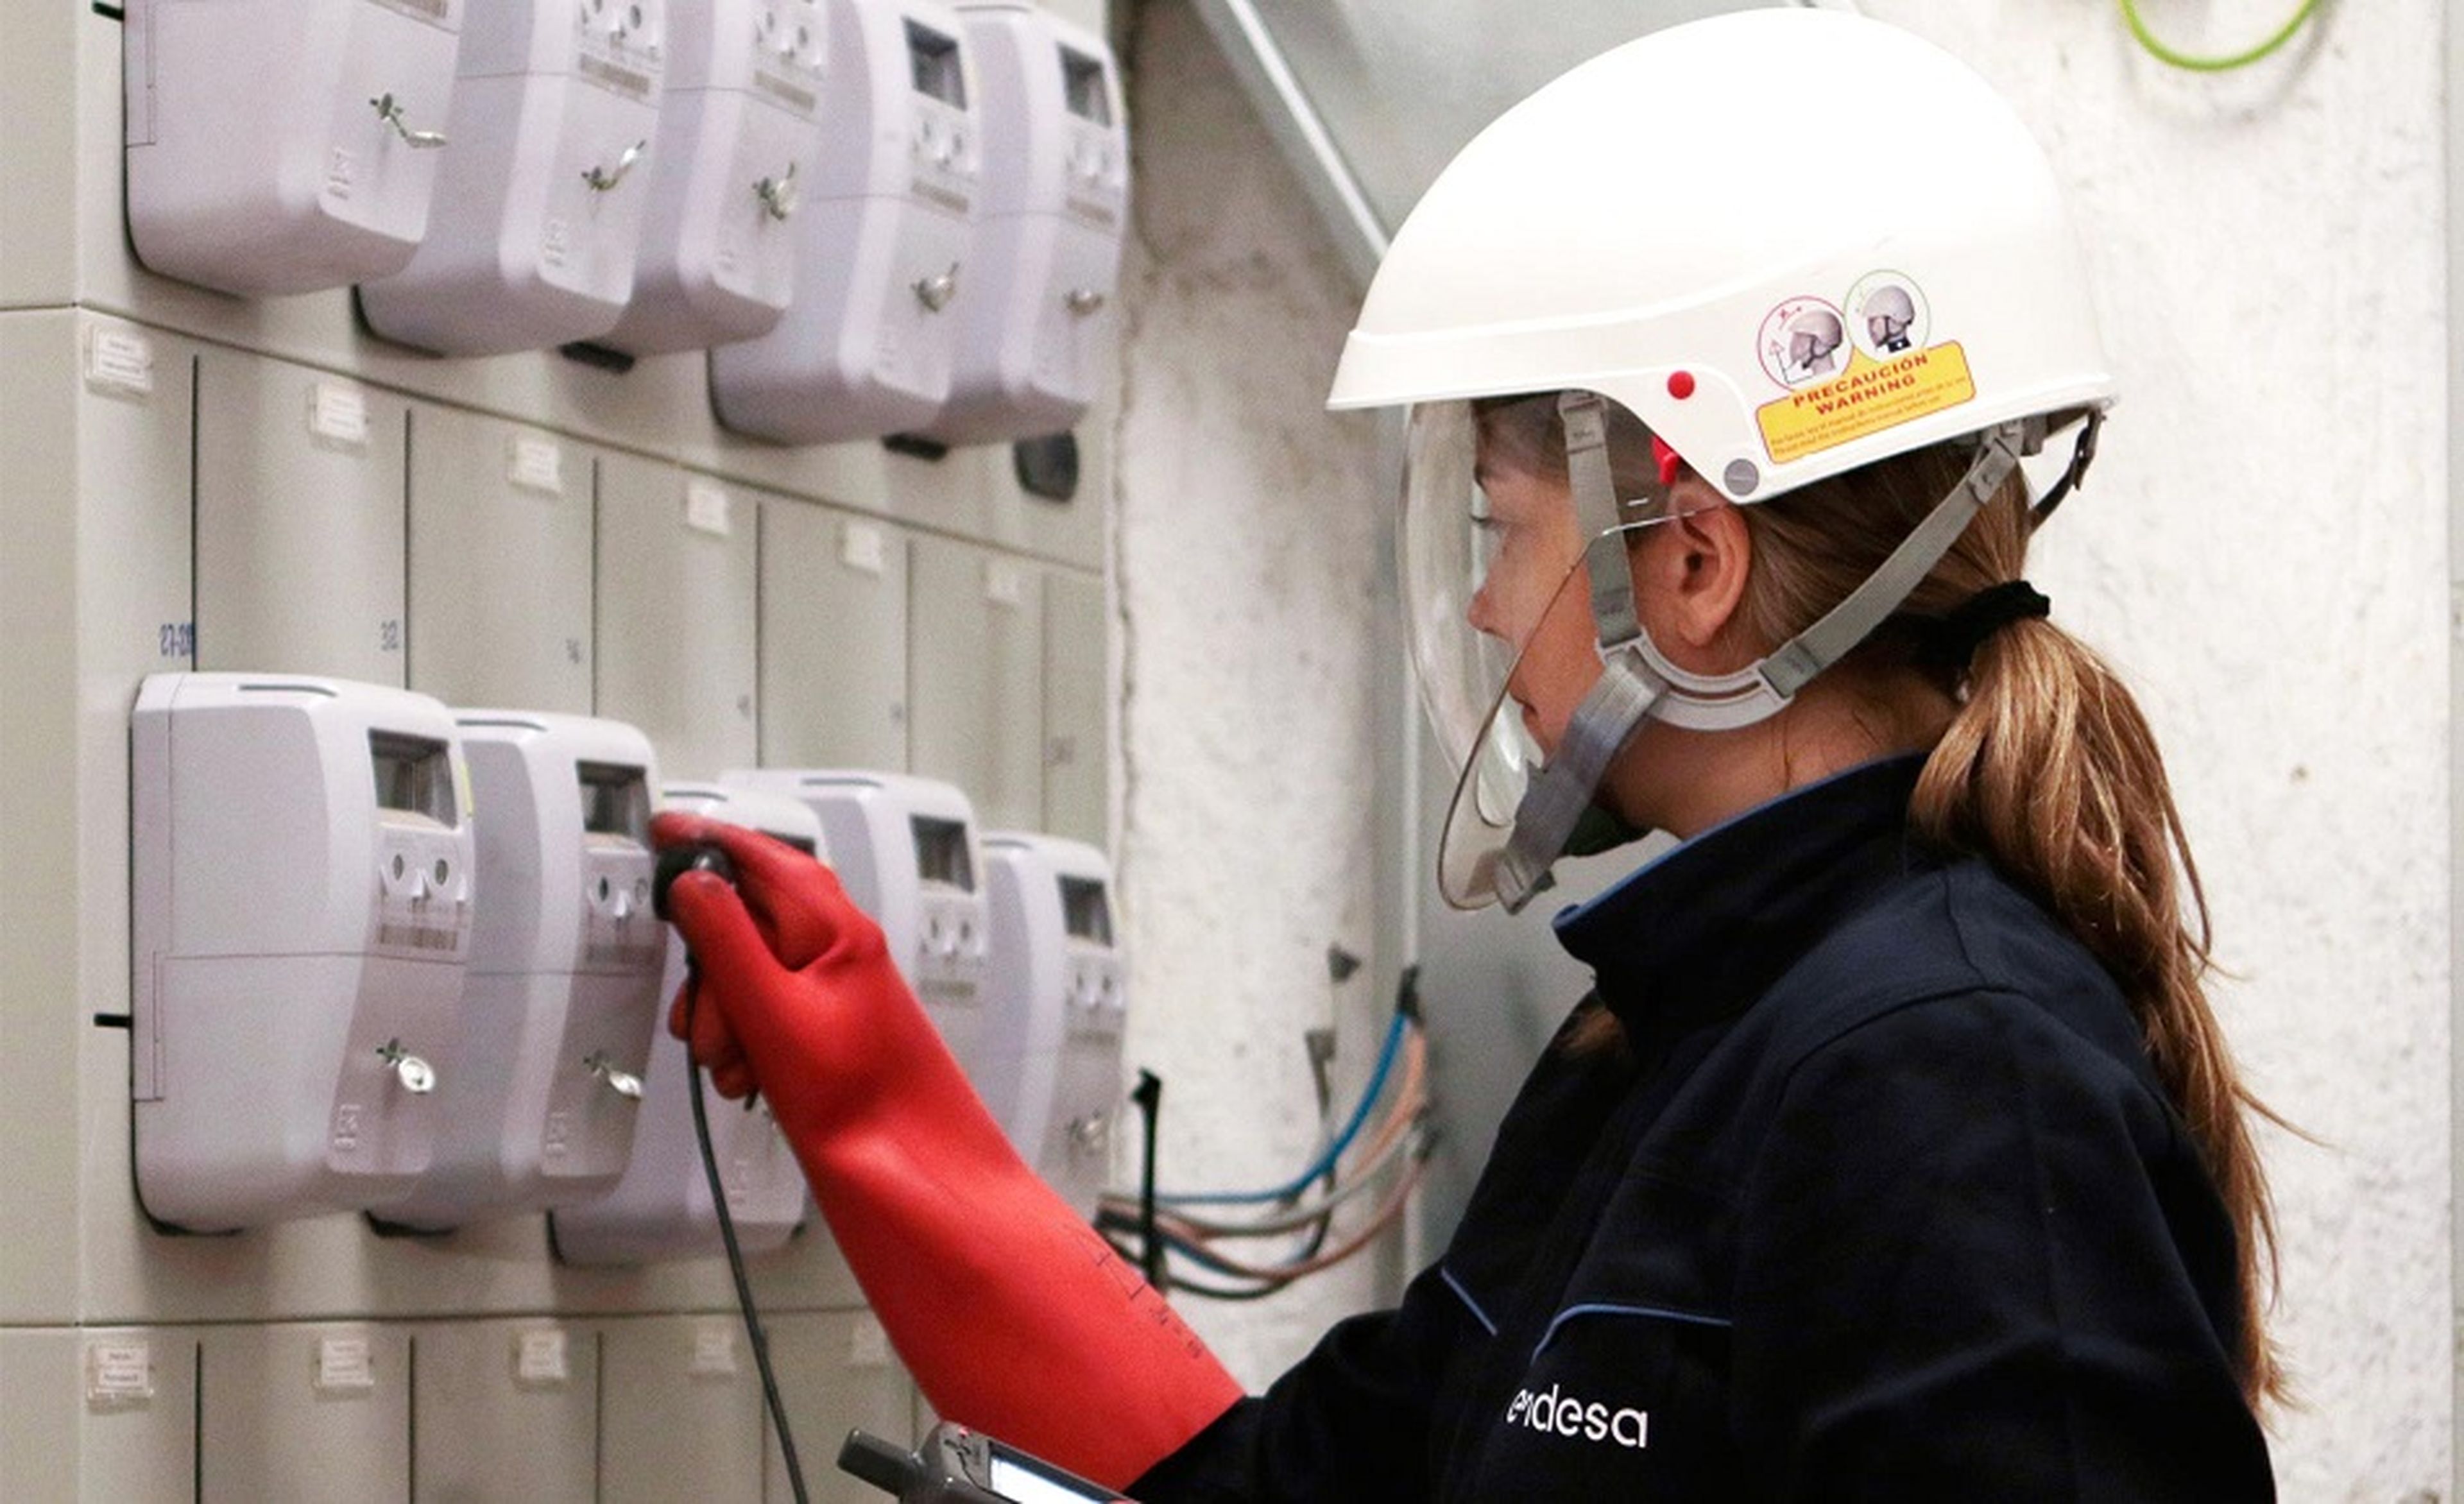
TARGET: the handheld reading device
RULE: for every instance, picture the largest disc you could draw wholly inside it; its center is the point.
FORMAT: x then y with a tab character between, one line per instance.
957	1465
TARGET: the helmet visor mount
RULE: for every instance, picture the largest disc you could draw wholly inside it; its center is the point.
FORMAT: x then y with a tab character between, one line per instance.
1501	633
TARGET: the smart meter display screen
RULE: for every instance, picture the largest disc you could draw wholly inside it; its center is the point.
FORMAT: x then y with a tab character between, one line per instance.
615	800
1082	85
1084	911
414	775
1015	1477
941	852
936	57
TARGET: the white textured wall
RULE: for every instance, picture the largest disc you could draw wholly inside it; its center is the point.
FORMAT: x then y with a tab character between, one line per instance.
2263	548
1248	539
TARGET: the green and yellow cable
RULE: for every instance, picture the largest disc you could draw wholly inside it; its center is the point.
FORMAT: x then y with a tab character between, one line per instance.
2157	48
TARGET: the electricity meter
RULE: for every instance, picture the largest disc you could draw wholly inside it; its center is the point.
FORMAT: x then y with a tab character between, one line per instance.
864	350
728	173
540	1094
1035	325
661	1208
904	848
284	145
539	202
1053	1020
301	898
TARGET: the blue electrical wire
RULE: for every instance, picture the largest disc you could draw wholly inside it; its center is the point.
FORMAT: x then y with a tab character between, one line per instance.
1333	1152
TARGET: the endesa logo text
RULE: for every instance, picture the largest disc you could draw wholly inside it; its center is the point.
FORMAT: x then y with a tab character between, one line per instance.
1554	1415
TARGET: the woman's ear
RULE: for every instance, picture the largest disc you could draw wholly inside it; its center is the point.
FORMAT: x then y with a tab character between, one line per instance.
1691	573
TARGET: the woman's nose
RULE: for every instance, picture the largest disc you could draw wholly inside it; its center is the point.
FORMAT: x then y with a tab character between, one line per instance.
1478	614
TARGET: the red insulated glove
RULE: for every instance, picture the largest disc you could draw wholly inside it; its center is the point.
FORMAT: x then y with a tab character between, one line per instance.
1013	1314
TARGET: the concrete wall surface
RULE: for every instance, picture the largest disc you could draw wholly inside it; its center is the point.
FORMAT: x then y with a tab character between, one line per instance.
1249	540
2263	548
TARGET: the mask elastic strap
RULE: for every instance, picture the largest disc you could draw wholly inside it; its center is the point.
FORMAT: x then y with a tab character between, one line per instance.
1555	802
1617	704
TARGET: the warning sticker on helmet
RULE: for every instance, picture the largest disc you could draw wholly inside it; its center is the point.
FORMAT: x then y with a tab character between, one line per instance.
1869	396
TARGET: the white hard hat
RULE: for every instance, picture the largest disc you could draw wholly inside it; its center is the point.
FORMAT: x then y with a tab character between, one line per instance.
1645	227
1693	227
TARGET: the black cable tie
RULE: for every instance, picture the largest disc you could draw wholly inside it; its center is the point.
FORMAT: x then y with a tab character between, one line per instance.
1950	641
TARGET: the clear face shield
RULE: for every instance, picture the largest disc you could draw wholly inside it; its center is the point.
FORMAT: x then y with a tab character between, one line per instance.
1497	569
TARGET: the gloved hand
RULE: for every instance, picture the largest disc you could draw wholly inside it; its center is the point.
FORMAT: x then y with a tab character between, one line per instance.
1014	1316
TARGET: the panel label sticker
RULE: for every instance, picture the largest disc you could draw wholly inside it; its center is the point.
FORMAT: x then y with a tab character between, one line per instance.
339	414
535	464
714	1350
539	1359
119	361
706	509
119	1372
345	1365
864	548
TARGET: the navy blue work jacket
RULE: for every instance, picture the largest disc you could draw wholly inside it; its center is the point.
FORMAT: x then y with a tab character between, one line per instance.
1883	1202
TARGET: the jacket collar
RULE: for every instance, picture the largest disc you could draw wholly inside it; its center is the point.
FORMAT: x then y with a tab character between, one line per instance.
1696	937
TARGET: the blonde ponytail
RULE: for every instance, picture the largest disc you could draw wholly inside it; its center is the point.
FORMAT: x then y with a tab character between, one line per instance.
2048	769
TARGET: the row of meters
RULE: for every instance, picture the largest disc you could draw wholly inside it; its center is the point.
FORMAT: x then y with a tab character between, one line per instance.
276	517
565	1410
397	958
882	217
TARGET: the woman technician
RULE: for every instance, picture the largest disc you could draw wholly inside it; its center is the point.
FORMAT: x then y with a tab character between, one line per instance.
1897	1155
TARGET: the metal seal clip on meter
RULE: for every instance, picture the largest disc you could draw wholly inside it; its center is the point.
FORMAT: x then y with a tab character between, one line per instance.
284	145
562	995
539	202
957	1465
728	171
1046	252
660	1207
302	880
882	230
1051	1051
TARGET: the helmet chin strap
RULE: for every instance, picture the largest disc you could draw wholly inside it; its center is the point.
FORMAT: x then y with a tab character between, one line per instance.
1637	682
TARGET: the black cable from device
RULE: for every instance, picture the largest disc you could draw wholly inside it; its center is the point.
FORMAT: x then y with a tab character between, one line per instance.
736	1267
1149	1096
